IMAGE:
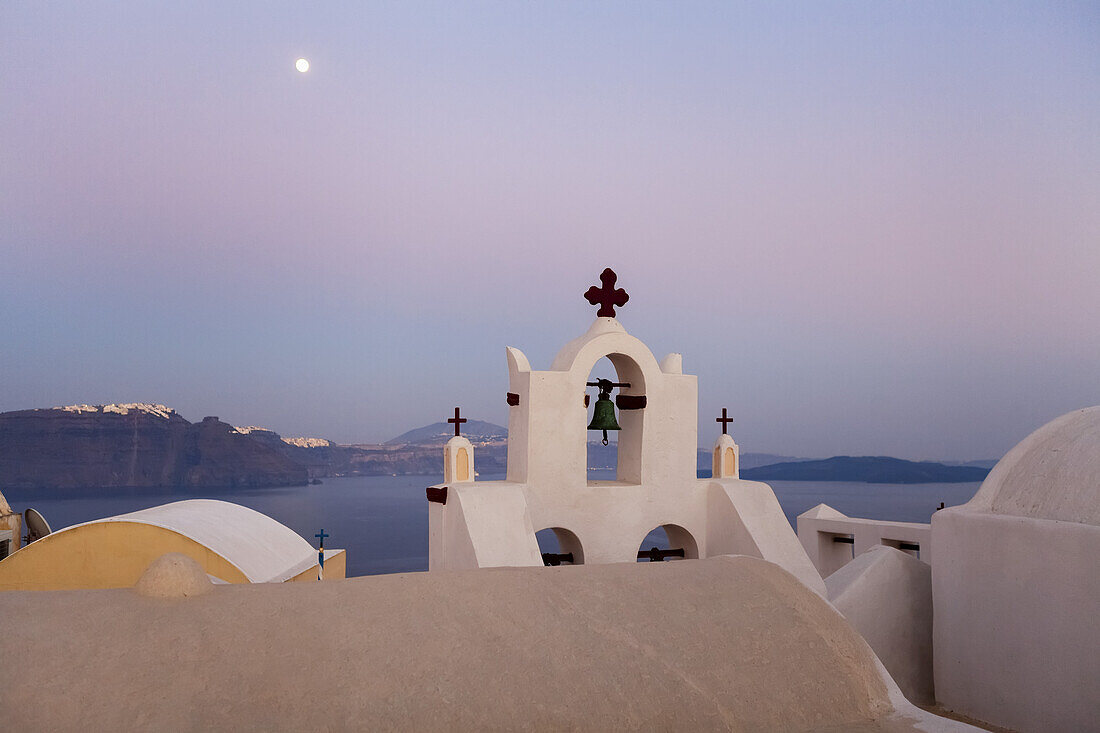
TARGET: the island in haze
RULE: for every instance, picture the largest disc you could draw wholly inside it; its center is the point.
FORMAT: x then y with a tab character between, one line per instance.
867	469
151	446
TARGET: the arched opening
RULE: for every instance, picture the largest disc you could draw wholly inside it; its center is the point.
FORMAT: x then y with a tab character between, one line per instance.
621	458
729	462
601	460
668	542
462	465
559	546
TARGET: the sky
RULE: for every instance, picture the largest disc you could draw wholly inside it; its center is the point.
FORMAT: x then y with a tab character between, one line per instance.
871	228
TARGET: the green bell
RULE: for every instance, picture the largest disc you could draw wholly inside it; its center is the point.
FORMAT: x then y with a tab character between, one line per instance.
603	415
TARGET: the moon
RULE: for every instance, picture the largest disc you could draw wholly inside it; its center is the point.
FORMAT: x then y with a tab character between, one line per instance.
302	65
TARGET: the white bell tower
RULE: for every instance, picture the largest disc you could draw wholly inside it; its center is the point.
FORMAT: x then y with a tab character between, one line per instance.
493	523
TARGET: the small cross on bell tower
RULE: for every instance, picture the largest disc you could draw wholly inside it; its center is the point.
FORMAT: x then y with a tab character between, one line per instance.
724	420
457	421
458	453
727	454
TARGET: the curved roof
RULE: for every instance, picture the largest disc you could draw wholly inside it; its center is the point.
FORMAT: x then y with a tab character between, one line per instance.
718	644
1054	473
257	545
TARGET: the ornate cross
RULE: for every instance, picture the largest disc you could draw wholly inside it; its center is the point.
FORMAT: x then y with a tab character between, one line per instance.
456	420
724	420
607	296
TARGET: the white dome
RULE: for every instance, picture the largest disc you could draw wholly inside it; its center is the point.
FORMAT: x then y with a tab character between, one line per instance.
1054	473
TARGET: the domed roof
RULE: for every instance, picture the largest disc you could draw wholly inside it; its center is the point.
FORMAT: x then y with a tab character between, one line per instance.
263	549
1054	473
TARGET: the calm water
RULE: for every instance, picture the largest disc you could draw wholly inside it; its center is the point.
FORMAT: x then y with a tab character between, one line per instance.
382	521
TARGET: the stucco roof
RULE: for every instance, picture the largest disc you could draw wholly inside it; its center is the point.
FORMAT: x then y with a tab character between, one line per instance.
715	644
1054	473
260	547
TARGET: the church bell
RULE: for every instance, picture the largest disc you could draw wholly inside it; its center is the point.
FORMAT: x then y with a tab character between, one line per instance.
603	415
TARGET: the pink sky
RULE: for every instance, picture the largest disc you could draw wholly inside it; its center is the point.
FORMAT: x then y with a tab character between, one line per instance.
869	228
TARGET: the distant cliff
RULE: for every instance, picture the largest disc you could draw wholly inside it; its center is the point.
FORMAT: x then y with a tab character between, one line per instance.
418	452
136	445
867	469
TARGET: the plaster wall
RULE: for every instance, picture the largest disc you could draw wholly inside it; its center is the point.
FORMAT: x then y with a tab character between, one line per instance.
449	544
745	519
548	429
481	525
494	524
611	519
818	527
1016	603
887	597
547	453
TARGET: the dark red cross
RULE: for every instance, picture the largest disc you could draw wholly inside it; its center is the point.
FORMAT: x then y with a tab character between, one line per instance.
456	420
607	296
724	420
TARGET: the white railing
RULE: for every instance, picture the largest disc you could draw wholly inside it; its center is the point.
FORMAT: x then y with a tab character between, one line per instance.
832	539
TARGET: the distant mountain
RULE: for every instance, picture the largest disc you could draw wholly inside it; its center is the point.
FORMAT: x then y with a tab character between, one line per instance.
133	445
478	431
753	460
868	469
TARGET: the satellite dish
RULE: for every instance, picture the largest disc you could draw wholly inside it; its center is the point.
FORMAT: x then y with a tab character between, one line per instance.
36	524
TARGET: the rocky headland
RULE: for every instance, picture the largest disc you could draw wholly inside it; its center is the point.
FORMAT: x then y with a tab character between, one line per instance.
133	445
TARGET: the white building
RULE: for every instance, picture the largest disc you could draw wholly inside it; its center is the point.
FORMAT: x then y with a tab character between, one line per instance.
484	524
1005	627
230	542
1016	586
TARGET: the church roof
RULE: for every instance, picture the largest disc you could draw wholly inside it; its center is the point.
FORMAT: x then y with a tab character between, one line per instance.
1054	473
263	549
718	644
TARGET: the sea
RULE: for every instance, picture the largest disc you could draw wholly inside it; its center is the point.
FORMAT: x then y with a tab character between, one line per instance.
382	521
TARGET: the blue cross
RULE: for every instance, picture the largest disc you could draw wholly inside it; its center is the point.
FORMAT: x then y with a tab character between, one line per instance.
321	547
